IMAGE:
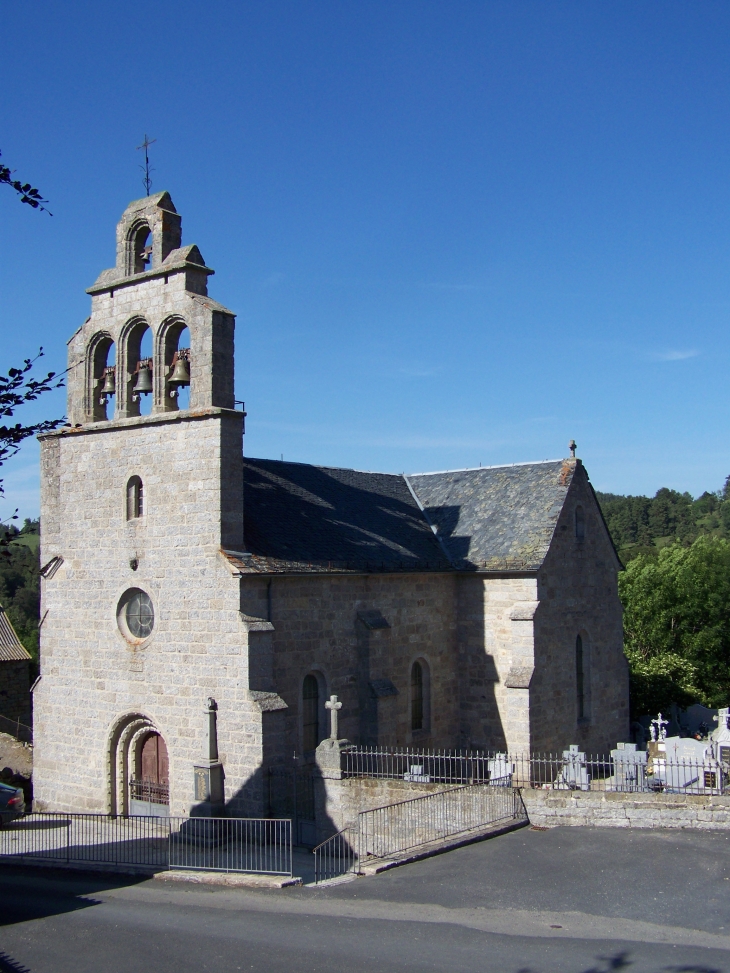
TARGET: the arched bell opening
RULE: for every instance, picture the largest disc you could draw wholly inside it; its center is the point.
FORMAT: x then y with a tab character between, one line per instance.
139	249
178	366
139	370
102	377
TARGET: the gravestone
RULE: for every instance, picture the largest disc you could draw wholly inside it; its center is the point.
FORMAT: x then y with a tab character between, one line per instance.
500	770
574	774
629	768
416	775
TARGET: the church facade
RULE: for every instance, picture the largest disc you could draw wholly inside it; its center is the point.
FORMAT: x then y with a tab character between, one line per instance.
473	609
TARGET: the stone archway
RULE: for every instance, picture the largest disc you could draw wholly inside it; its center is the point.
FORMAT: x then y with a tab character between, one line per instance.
128	792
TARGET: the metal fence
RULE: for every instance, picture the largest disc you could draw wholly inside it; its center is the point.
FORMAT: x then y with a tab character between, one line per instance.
404	763
399	827
291	794
336	856
625	770
259	845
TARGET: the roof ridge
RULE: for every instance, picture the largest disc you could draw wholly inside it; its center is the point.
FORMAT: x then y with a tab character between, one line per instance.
496	466
317	466
352	469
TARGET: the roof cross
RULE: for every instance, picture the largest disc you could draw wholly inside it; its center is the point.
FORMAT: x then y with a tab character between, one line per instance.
147	181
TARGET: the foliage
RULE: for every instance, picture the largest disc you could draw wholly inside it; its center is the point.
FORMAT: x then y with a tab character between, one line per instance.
27	193
643	525
20	582
17	388
677	624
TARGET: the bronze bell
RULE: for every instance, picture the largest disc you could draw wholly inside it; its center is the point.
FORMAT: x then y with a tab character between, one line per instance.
143	382
181	373
108	387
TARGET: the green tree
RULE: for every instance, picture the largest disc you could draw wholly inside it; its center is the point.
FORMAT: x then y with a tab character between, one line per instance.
677	624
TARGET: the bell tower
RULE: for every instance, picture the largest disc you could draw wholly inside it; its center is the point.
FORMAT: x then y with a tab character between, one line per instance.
139	494
158	288
157	284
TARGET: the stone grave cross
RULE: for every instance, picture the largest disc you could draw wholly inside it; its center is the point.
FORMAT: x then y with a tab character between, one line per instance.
333	705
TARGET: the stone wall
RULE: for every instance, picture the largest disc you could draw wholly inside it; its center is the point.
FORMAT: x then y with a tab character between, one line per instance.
93	678
15	691
577	592
553	808
318	627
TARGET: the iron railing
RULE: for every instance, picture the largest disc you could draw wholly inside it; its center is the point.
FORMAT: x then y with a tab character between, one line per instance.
259	845
386	831
625	770
336	856
419	766
149	791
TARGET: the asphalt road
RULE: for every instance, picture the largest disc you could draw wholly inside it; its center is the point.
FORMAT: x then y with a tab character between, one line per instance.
571	900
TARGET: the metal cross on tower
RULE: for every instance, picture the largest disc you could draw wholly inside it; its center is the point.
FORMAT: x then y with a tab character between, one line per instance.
333	706
147	181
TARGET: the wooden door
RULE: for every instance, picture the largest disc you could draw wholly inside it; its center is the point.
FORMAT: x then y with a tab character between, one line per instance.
154	762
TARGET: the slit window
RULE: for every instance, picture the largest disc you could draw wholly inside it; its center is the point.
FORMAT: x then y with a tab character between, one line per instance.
135	498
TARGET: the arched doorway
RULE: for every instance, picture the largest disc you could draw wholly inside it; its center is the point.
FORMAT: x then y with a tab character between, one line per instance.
138	777
150	785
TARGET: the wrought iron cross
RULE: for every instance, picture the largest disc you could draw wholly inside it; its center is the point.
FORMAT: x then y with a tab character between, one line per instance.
333	705
147	181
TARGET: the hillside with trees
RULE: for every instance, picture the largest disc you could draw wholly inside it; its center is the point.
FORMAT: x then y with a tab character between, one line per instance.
676	595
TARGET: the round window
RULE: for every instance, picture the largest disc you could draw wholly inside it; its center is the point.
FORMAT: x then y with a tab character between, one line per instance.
137	615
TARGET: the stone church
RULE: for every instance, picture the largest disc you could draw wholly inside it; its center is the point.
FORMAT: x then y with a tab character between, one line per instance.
473	608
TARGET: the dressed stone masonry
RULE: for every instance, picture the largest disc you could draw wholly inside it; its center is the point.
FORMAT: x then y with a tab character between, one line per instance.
475	608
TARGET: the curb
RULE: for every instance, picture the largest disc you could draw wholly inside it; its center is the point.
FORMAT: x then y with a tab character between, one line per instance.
229	879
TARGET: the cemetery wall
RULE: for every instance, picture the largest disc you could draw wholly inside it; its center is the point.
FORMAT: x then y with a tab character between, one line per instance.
554	808
340	801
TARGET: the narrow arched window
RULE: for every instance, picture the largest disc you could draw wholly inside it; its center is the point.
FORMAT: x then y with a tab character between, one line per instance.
310	713
135	498
580	523
580	677
417	700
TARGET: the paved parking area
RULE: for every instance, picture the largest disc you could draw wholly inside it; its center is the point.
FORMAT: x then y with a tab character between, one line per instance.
571	900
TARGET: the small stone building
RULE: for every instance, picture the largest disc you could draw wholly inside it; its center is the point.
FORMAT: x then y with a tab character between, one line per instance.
475	608
14	677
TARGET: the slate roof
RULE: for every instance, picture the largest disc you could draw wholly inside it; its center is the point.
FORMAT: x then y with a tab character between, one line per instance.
11	648
302	518
499	516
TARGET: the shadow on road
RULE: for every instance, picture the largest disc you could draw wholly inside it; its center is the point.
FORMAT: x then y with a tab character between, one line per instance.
35	894
8	965
622	961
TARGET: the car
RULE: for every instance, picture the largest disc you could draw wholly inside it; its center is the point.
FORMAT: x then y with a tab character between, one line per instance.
12	803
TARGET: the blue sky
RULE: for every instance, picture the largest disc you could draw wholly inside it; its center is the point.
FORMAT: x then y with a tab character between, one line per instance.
453	232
